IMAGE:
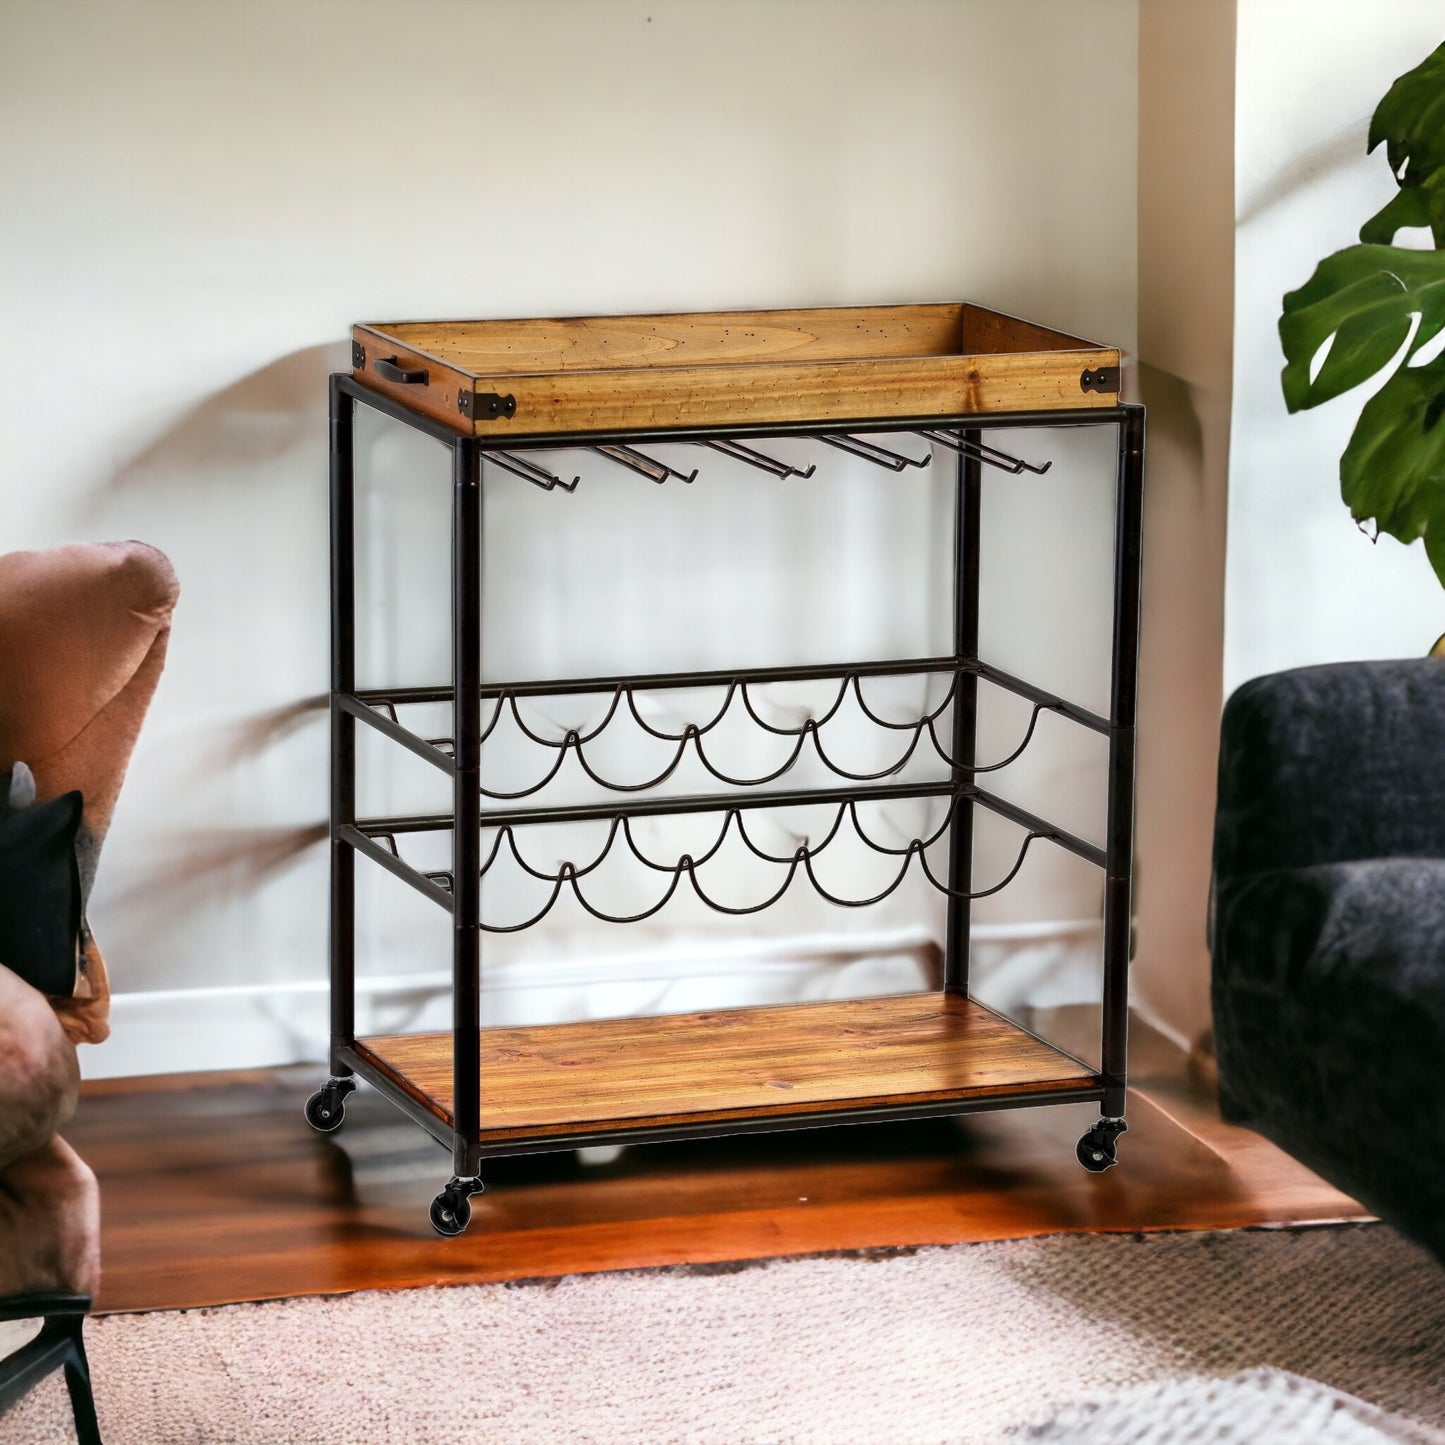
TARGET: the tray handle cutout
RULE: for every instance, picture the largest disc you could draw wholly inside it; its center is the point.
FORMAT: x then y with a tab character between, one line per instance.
388	369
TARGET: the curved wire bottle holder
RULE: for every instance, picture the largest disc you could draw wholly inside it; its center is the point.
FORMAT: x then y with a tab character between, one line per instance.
571	877
576	741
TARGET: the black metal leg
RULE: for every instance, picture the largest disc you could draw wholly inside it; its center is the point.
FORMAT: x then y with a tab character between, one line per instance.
343	728
77	1382
467	803
23	1369
1119	845
59	1345
965	716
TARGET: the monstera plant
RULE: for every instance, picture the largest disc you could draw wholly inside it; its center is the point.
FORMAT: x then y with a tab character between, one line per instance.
1353	316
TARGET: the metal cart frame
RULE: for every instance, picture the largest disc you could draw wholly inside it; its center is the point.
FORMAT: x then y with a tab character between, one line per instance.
459	889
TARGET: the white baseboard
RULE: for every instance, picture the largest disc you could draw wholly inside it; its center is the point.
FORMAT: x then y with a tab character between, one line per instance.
265	1025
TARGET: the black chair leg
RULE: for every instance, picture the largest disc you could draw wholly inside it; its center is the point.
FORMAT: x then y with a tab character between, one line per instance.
77	1381
60	1345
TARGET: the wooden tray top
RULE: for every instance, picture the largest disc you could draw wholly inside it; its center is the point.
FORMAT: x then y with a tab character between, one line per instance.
598	374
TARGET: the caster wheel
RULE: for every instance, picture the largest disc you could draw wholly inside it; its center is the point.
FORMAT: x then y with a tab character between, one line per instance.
1099	1149
451	1210
326	1108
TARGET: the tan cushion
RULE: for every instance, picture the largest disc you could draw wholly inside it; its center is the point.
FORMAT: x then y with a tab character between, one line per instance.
49	1203
83	631
50	1222
39	1073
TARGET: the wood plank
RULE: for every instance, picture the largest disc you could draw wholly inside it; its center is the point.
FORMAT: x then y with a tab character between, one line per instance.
214	1190
542	346
986	332
731	1064
437	398
765	394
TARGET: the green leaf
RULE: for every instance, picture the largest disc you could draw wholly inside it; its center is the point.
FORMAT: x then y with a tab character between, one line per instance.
1405	208
1432	190
1422	205
1356	312
1364	297
1411	121
1393	470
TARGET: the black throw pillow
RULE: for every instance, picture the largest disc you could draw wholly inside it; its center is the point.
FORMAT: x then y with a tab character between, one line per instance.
40	893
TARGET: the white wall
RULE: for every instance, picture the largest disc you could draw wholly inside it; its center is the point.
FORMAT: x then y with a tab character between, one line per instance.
1304	585
200	199
1186	265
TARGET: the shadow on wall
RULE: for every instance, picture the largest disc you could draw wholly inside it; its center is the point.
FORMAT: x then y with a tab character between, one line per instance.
254	736
236	798
202	864
189	870
1172	416
1342	149
255	420
184	915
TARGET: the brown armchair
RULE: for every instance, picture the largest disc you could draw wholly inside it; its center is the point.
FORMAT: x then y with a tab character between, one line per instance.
83	634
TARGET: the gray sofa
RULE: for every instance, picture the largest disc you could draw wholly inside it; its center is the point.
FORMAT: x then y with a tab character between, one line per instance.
1328	928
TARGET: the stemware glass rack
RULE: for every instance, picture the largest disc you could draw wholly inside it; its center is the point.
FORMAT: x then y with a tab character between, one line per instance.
508	393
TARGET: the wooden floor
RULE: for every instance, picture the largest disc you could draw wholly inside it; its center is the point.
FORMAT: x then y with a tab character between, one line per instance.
214	1190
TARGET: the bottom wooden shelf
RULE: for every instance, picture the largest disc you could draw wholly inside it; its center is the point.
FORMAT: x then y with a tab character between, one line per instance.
702	1070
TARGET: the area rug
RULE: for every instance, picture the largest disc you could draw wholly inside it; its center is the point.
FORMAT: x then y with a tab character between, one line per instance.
1270	1406
973	1343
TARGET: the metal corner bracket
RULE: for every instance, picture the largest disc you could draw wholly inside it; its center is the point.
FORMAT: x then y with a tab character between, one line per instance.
1103	378
486	404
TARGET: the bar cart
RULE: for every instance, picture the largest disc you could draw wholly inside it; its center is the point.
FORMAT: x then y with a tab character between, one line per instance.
504	393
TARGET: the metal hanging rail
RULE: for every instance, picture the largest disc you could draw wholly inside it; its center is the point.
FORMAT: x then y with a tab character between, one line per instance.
754	458
879	456
639	462
529	471
991	456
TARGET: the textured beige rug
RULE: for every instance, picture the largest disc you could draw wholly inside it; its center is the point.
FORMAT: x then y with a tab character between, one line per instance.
958	1344
1261	1405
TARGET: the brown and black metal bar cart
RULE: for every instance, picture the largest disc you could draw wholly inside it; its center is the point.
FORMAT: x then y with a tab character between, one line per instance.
501	395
